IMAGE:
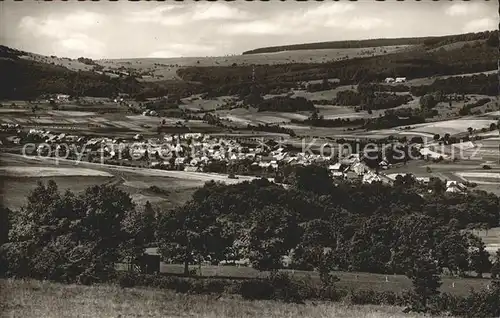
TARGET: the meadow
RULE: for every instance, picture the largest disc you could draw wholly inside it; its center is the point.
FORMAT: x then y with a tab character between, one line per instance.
21	174
30	298
348	280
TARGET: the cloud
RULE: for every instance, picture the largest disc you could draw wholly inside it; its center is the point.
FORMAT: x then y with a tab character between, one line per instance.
300	22
173	15
479	25
182	49
329	9
289	22
463	9
159	15
218	11
261	27
61	26
366	23
80	45
67	33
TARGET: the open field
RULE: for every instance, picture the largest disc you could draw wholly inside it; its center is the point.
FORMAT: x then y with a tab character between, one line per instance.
33	299
160	68
54	171
491	238
348	280
196	103
452	127
430	80
108	124
15	190
179	185
165	68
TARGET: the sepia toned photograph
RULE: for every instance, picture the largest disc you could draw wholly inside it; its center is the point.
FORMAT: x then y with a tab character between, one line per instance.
227	159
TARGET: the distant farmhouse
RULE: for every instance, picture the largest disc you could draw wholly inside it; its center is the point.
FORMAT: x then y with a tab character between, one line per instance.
62	97
395	80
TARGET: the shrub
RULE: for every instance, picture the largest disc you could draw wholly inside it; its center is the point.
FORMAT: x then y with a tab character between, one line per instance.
256	289
209	286
128	279
286	288
331	293
371	297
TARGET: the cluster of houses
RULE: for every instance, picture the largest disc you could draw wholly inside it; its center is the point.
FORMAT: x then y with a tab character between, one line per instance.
194	151
451	185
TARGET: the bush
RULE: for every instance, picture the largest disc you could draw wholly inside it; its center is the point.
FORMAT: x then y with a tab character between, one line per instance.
256	289
286	288
371	297
209	286
178	284
128	280
331	293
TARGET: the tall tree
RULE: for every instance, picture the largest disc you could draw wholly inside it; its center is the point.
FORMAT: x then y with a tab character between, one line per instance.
424	275
140	228
273	232
479	257
495	268
68	237
5	224
191	233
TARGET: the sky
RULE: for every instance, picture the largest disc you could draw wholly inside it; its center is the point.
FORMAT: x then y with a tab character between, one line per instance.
180	29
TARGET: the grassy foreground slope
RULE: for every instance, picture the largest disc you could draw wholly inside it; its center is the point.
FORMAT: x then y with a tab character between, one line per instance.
43	299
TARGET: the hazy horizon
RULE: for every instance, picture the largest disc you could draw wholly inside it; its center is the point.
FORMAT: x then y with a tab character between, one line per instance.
126	30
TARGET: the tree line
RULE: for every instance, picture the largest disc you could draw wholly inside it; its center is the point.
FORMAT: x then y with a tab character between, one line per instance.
427	41
475	84
320	224
371	100
411	64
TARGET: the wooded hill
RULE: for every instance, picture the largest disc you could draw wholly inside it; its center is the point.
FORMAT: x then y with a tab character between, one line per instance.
429	41
24	78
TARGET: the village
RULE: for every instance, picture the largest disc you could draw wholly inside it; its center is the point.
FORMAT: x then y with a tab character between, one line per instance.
198	152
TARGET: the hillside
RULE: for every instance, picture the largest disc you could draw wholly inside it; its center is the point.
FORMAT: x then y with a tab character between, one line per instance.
479	57
430	41
27	79
27	75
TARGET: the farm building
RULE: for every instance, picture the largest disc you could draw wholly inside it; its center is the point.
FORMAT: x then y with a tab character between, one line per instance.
149	263
400	80
371	177
389	80
455	187
338	174
62	97
360	168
